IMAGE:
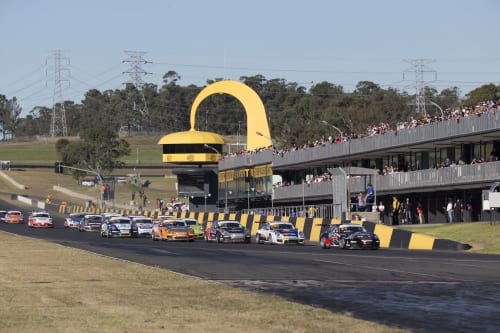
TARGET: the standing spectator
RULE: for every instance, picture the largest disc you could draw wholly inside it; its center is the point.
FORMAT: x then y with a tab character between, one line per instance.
144	200
133	196
408	211
370	197
381	211
361	202
458	211
449	211
420	212
311	211
396	205
470	211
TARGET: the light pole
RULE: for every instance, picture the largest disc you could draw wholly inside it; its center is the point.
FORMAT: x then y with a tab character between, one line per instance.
440	109
227	192
334	127
249	189
207	195
303	195
265	136
212	148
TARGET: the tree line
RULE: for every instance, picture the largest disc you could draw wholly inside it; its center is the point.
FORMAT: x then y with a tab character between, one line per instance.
295	114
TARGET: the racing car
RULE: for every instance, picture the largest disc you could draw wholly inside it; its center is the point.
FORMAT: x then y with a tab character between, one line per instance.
279	233
116	226
74	219
13	216
40	220
197	228
172	230
349	236
142	226
227	231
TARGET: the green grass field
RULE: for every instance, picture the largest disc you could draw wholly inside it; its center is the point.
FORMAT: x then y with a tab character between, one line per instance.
144	150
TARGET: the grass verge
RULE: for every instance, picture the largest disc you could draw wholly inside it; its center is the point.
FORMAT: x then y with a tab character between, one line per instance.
50	288
482	236
40	183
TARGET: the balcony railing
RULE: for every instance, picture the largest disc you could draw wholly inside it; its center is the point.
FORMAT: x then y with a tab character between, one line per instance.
459	176
433	132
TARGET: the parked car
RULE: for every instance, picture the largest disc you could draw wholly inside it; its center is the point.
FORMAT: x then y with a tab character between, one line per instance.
173	230
227	231
74	219
91	222
142	226
197	228
13	216
116	226
279	233
40	220
349	236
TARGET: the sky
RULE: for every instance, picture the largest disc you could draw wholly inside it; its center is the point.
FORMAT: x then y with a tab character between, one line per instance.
456	42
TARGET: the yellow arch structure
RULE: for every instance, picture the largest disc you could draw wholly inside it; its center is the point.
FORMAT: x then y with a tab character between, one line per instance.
254	108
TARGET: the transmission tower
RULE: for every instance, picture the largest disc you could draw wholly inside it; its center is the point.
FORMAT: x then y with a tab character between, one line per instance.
419	67
60	75
136	60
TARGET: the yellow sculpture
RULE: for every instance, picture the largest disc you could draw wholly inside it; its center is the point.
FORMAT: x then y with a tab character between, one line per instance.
258	134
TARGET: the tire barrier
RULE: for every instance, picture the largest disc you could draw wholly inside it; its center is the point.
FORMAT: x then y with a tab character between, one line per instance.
312	227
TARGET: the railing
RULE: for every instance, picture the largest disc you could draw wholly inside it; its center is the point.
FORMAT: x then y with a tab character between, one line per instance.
404	138
459	175
433	132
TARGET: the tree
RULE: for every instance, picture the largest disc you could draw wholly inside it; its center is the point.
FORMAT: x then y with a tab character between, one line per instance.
61	145
488	92
9	114
99	148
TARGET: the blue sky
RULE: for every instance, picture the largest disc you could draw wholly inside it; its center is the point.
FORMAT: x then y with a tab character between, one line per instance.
342	42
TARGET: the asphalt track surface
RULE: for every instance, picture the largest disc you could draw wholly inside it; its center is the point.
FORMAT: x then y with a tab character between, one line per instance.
424	291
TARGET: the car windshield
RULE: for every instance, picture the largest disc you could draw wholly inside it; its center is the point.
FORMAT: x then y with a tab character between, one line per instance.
353	228
179	224
191	222
119	221
229	225
142	221
40	215
283	226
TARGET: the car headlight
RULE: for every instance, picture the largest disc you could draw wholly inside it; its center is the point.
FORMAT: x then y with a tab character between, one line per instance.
301	234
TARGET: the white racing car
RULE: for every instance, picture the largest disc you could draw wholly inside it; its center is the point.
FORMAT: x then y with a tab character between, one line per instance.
279	233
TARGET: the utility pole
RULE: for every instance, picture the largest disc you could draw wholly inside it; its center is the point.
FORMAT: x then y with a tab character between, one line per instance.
60	75
419	67
136	60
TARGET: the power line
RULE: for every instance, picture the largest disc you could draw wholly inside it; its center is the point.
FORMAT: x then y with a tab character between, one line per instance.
420	68
60	75
136	60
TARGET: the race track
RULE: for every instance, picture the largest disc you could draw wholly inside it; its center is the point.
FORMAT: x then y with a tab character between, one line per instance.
425	291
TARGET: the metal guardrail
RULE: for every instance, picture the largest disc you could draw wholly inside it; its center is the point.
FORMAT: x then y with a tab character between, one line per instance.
400	182
429	133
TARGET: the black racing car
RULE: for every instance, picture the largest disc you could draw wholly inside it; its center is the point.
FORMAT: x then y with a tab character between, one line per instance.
349	236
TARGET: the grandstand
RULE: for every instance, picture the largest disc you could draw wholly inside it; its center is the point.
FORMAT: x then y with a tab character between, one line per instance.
428	161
